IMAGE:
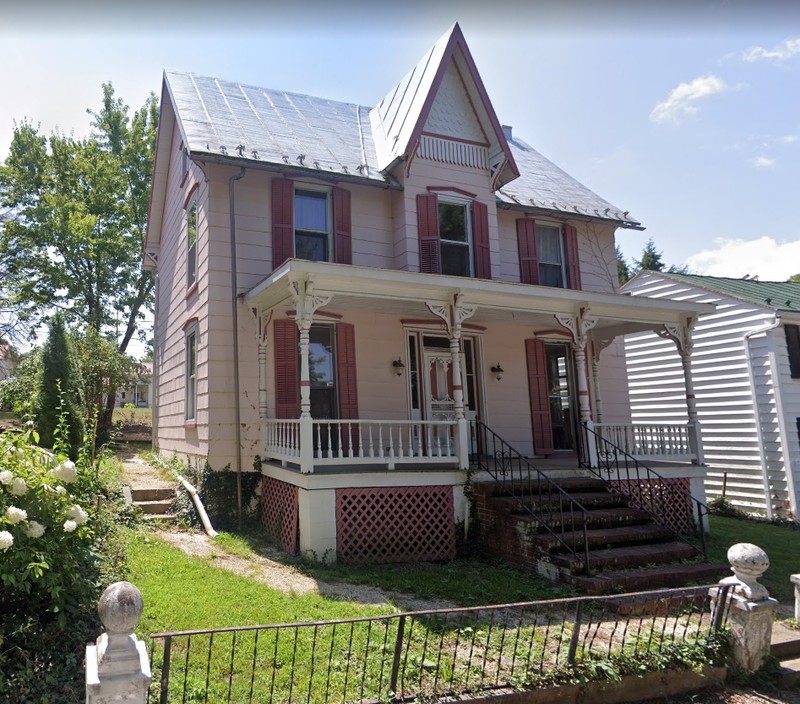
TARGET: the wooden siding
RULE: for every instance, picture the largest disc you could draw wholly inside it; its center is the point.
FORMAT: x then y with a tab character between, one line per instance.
731	416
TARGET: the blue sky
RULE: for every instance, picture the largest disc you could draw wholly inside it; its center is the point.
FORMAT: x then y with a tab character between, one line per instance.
685	113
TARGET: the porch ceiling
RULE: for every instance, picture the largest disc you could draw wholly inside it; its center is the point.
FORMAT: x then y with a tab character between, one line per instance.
405	294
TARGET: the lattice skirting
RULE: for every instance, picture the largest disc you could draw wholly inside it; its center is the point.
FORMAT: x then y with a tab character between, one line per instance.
279	510
664	498
396	524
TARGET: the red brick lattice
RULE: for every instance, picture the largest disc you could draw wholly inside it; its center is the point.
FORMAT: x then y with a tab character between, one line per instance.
663	497
279	510
396	524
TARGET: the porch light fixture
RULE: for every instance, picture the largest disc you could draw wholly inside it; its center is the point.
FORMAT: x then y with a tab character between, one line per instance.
398	366
498	371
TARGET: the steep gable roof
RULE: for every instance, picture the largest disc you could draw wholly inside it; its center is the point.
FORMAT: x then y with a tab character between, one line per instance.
398	119
777	295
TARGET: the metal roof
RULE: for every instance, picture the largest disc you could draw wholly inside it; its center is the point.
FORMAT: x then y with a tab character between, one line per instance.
779	295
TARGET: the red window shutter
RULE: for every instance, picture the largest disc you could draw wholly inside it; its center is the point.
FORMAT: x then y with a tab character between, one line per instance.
541	424
528	259
480	232
282	221
573	263
430	261
346	370
287	371
342	227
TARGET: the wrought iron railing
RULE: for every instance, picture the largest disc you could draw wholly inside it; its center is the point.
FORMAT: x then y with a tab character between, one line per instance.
555	510
667	503
426	655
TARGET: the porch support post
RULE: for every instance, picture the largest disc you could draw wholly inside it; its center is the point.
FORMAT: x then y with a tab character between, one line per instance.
681	335
597	347
453	315
306	303
262	326
579	327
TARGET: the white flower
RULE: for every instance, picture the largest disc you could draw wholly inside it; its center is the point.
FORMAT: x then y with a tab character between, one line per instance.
6	540
70	526
78	514
66	472
6	477
16	515
61	490
29	423
18	487
35	530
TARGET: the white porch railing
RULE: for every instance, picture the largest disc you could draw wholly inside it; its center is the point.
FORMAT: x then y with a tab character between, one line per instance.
352	442
652	441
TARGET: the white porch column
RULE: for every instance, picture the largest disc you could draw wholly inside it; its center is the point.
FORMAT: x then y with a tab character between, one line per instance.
597	347
681	335
262	326
453	315
306	303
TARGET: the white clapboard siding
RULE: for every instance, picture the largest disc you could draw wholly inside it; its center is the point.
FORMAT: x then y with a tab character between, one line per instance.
730	417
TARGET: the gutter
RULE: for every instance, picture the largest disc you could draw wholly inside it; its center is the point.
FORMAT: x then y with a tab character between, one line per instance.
759	429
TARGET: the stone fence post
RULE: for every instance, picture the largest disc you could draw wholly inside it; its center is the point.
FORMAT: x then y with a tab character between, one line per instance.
796	581
117	668
751	609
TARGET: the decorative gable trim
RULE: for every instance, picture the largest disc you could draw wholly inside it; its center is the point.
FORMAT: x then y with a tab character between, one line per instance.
451	151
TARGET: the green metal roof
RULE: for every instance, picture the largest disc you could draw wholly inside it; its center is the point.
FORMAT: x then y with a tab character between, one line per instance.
780	295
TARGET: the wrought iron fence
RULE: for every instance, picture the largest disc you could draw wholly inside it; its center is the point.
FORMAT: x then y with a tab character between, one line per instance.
437	653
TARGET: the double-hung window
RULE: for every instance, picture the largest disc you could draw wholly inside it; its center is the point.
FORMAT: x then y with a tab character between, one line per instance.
793	348
191	375
191	242
550	248
312	229
455	228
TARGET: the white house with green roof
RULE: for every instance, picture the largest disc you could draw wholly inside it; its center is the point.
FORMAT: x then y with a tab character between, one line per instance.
745	366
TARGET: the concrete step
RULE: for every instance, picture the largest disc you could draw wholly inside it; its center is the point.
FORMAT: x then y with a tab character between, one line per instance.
785	641
159	518
157	508
152	493
665	576
603	537
789	675
628	557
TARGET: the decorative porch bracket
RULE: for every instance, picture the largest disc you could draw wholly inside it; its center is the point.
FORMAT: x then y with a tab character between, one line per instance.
453	314
306	303
579	326
262	319
681	335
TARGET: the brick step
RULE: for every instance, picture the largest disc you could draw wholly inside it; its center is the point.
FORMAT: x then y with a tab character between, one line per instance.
152	493
626	557
554	502
642	579
785	641
567	483
157	508
623	535
599	518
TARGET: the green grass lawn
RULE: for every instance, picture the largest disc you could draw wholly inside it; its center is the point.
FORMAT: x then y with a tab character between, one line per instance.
781	543
133	416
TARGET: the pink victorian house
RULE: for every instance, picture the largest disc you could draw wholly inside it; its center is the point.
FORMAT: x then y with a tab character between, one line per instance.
361	297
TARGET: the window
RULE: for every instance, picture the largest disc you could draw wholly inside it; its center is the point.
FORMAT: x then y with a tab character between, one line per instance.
191	375
454	236
311	226
793	345
550	249
191	240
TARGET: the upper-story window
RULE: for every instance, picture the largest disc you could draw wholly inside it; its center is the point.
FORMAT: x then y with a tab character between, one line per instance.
312	230
191	243
793	347
550	246
455	241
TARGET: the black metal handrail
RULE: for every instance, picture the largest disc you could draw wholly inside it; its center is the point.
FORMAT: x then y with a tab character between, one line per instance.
647	490
520	479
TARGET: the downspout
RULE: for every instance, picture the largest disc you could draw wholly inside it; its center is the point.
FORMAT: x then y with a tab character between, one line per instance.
759	431
235	325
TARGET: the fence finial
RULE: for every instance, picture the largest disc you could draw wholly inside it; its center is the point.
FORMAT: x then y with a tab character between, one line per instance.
117	668
748	563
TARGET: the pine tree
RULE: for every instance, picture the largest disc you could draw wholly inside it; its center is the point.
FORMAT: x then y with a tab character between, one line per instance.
60	391
651	258
623	270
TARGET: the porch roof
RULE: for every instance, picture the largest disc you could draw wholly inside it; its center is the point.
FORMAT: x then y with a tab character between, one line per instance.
405	294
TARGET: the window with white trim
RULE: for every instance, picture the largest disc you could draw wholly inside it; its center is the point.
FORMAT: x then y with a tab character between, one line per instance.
455	237
312	225
191	242
191	375
550	251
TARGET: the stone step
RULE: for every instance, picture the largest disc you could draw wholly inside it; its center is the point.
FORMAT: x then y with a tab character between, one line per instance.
601	537
159	518
789	674
152	493
665	576
627	557
785	641
158	508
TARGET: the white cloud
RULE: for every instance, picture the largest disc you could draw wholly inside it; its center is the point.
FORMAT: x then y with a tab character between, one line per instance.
680	101
764	162
762	257
781	52
790	139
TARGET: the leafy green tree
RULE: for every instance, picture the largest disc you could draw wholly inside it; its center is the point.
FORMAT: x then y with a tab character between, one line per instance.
623	270
795	278
103	369
75	220
60	391
17	393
